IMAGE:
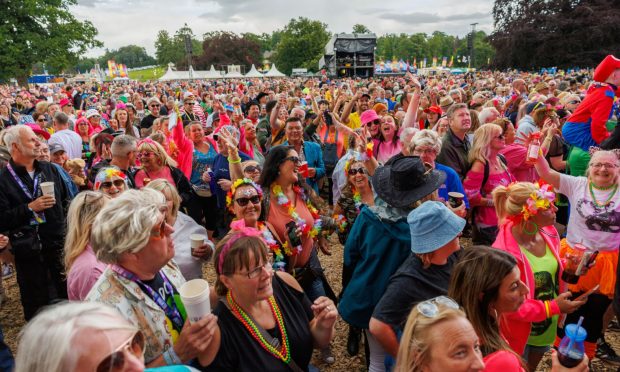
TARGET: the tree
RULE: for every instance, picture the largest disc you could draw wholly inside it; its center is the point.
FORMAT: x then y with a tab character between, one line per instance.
129	55
361	29
562	33
228	48
165	49
302	43
41	31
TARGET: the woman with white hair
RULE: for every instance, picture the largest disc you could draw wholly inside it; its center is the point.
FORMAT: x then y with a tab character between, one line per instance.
427	145
141	282
189	259
82	336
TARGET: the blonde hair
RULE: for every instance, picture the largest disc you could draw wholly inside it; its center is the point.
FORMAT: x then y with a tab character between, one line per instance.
80	217
164	186
125	223
509	200
56	327
414	352
482	139
158	150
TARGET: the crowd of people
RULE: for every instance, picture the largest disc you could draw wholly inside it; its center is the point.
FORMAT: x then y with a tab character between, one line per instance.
102	186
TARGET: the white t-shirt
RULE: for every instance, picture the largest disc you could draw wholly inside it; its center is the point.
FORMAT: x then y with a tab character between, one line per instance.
70	141
593	226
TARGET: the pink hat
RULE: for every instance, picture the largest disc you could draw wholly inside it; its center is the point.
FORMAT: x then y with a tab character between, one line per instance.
605	68
64	102
38	131
368	116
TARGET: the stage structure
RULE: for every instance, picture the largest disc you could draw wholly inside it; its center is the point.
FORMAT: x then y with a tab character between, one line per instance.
349	55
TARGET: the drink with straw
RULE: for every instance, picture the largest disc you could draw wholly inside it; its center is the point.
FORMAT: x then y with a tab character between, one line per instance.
571	350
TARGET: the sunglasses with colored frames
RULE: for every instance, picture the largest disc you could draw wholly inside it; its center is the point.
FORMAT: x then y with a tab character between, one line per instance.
354	171
294	159
116	183
244	201
117	360
252	169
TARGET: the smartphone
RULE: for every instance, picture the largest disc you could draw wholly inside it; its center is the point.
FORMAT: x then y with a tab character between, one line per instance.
291	228
588	293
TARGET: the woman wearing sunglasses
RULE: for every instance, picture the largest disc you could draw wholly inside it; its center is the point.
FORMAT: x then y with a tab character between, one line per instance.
266	322
488	171
131	235
82	336
111	181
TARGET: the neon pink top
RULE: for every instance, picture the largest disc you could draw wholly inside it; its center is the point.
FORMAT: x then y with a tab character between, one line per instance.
163	173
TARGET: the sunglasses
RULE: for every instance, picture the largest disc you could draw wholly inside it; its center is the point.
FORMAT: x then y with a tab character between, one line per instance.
155	106
574	102
375	122
252	169
500	137
116	361
145	154
244	201
190	103
354	171
116	183
294	159
40	120
159	234
430	309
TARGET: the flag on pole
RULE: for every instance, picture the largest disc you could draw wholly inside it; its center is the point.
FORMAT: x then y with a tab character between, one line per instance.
451	61
434	61
444	61
111	68
415	63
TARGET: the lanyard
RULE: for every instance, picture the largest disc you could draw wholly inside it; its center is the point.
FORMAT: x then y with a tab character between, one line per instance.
38	218
171	312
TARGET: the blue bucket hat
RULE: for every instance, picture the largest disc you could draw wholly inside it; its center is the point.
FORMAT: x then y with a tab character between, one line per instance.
433	225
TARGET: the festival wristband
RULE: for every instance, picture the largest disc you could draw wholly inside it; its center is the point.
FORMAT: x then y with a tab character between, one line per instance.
548	309
236	161
489	202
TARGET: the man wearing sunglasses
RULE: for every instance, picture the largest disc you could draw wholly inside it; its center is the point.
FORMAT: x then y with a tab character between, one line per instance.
153	105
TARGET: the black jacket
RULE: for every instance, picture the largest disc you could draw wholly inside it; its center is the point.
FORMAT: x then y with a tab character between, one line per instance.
14	213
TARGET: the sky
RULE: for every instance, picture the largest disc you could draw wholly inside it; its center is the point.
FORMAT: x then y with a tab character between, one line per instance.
124	22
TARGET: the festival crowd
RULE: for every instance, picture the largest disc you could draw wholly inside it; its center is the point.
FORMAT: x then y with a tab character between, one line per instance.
103	187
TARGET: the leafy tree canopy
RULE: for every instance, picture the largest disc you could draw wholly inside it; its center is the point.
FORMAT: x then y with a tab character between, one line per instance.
302	44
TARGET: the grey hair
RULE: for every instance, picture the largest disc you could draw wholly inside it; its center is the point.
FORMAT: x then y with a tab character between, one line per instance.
57	327
406	135
485	114
125	223
13	136
61	118
122	145
426	137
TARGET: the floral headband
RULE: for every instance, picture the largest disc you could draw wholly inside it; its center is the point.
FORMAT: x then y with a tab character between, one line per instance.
594	149
236	184
539	200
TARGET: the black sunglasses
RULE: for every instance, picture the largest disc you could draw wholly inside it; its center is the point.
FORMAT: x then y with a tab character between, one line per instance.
108	184
154	105
252	169
354	171
116	361
244	201
294	159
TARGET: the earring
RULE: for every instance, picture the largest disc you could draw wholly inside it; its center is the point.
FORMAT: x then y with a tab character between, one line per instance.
533	231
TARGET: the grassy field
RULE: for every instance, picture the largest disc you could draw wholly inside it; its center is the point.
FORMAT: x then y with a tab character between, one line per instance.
149	74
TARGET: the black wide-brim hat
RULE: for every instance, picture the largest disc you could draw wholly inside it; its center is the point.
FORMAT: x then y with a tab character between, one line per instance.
406	181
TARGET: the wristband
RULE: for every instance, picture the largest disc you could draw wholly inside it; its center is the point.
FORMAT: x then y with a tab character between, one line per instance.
489	202
548	309
237	161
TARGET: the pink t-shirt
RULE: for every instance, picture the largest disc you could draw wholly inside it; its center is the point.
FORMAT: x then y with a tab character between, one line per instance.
83	275
385	150
485	216
516	156
163	173
502	361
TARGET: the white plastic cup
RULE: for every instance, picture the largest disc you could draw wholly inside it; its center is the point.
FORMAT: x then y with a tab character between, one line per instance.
196	241
195	297
47	188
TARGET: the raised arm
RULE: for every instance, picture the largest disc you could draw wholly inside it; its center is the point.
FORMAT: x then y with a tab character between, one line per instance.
349	106
545	172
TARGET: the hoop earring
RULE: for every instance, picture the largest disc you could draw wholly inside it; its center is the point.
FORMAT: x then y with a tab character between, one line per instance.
534	231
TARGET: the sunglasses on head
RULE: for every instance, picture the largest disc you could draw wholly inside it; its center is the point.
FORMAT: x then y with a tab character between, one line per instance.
244	201
116	361
354	171
252	169
116	183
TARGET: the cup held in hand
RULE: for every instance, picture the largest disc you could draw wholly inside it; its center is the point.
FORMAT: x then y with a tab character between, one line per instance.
455	199
47	188
195	297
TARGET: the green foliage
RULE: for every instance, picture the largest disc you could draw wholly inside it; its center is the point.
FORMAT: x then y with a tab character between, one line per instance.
41	31
129	55
172	48
361	29
302	43
228	48
438	44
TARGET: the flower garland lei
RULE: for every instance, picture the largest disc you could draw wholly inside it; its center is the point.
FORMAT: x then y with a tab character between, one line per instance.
539	200
278	258
311	231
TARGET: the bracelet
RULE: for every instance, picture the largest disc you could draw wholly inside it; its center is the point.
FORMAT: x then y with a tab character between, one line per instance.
548	309
171	357
489	202
237	161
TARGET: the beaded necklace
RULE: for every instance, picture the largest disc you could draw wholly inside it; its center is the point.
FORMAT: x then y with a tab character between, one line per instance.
311	231
606	202
284	352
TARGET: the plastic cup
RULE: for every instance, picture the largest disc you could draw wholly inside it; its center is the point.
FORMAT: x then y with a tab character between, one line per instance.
196	241
303	169
47	188
195	297
455	199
